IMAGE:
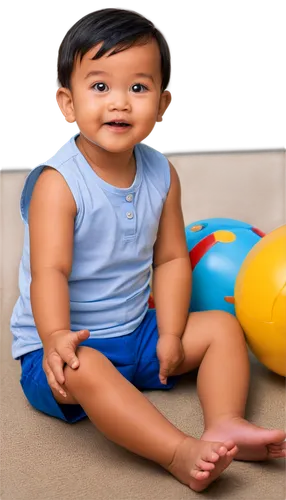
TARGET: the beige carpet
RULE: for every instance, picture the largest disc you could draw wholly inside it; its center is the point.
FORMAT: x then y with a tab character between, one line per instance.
45	459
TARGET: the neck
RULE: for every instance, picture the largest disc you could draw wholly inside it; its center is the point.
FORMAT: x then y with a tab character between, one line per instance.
116	168
103	160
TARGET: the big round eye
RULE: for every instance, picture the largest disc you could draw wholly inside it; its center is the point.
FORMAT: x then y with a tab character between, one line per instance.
100	87
138	87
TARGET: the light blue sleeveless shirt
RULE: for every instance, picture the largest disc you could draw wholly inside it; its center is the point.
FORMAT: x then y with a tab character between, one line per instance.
114	233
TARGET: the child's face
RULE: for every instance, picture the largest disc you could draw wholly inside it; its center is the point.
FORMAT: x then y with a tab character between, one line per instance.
119	91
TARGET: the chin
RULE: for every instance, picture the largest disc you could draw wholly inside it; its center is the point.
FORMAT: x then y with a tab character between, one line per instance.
120	148
113	144
117	148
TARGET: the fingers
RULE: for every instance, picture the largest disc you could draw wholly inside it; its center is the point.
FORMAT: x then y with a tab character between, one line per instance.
76	338
163	380
164	372
68	353
166	369
51	378
80	336
62	351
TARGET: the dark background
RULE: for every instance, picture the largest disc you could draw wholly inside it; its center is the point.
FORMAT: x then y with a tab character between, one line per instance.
227	76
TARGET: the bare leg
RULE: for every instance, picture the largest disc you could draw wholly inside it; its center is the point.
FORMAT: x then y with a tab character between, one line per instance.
215	341
128	418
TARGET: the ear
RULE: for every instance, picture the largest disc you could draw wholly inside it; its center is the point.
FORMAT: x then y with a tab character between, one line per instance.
65	102
165	100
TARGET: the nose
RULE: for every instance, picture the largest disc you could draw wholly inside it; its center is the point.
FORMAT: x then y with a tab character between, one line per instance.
119	101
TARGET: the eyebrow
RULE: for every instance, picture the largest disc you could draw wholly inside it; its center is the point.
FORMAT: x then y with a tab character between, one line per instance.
145	75
95	73
98	73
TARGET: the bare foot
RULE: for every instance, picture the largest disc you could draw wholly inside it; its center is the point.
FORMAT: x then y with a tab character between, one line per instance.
254	443
198	463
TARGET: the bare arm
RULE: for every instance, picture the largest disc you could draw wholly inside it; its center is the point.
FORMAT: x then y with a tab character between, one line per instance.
172	276
51	224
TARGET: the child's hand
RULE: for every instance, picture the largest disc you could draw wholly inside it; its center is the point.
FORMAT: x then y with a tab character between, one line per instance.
170	354
59	348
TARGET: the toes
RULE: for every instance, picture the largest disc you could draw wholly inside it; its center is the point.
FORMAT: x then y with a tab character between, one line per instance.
199	474
229	445
205	466
218	449
275	446
277	454
232	452
213	457
222	451
277	450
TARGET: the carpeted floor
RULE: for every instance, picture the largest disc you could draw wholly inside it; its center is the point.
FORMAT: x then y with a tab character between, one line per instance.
45	459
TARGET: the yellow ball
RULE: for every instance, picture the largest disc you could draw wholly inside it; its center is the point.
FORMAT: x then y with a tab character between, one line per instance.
260	300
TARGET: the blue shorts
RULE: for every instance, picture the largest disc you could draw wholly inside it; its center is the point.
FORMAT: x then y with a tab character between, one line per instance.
134	356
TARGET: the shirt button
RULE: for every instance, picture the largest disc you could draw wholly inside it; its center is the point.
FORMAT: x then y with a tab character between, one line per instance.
129	197
129	215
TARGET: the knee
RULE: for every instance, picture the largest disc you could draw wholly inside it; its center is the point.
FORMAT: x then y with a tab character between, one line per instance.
227	324
91	367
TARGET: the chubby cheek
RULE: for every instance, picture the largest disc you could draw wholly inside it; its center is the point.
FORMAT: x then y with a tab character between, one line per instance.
88	111
146	114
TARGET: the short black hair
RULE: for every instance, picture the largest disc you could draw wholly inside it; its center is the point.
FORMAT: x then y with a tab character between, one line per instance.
116	28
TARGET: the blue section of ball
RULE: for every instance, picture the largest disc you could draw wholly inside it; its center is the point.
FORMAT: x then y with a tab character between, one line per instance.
215	274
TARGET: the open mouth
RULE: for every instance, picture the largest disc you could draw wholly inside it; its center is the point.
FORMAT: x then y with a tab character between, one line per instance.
118	124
